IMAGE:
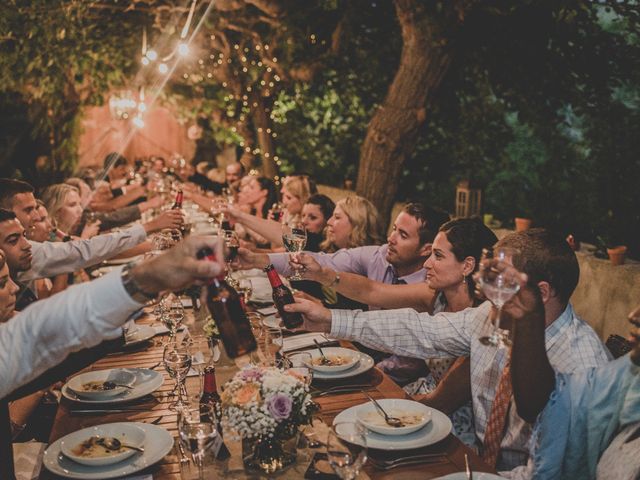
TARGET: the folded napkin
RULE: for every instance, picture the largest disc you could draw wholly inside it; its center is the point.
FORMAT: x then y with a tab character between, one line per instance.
27	459
267	311
304	340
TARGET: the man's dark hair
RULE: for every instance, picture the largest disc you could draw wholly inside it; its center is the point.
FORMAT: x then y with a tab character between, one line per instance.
6	215
545	256
113	160
9	188
429	218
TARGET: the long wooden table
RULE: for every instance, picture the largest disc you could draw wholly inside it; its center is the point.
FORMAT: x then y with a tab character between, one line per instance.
156	407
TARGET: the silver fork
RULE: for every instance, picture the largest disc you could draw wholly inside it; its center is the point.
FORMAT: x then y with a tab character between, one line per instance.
184	460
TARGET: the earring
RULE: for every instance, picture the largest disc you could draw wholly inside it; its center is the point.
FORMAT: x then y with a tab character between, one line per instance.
464	278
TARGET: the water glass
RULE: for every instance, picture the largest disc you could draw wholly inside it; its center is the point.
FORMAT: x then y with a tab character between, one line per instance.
177	362
347	449
197	434
273	346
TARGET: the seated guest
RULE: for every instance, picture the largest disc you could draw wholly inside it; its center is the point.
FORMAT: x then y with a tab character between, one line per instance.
455	256
571	344
234	172
116	172
65	207
259	193
295	192
590	425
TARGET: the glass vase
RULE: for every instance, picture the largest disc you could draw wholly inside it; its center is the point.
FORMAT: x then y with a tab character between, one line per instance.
269	454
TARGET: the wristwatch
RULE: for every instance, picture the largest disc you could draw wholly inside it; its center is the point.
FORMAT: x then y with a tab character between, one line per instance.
132	288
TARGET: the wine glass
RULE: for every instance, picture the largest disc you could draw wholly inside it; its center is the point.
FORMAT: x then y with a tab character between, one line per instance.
177	362
294	237
201	355
245	289
273	346
231	246
198	433
171	314
347	449
498	286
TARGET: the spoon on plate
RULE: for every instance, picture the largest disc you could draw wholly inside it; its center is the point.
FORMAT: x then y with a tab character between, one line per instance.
115	444
108	385
323	359
391	421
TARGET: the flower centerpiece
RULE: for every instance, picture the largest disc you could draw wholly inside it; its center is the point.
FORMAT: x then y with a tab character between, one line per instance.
266	407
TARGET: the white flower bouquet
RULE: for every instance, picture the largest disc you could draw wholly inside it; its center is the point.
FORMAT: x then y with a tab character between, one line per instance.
266	403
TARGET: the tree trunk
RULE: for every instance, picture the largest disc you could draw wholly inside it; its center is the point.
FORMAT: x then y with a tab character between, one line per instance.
393	130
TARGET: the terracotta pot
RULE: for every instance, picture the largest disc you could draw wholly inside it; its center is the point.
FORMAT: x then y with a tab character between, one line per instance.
522	224
616	254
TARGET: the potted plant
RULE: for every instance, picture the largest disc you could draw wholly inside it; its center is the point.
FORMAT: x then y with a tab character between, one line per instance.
605	248
522	224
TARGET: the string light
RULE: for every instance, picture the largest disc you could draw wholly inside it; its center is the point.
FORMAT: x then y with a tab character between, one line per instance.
152	55
138	121
183	49
163	68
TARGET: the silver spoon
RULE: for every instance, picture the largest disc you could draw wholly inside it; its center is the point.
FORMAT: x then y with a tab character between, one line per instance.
115	444
108	385
324	359
392	421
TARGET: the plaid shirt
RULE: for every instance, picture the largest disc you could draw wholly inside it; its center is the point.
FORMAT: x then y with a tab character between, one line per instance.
571	345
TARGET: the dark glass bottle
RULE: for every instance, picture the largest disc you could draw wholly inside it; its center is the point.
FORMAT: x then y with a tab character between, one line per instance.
211	399
177	205
282	296
226	309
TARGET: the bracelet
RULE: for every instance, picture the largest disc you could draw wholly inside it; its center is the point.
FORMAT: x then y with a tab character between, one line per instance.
132	288
335	281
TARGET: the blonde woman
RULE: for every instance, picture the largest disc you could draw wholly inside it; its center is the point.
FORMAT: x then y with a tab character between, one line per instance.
355	223
295	191
65	209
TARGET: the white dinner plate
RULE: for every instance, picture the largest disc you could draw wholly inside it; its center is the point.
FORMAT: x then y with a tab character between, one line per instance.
126	433
139	335
437	429
476	476
394	407
147	381
122	377
365	364
158	443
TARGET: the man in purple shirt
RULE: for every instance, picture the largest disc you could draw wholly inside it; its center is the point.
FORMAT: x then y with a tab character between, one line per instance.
400	260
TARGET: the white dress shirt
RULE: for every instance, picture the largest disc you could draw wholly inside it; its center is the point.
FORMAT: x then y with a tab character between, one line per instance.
571	345
55	258
42	335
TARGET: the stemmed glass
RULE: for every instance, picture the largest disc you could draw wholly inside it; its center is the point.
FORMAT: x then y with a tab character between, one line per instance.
294	237
231	246
171	314
198	433
273	346
498	285
301	367
347	449
201	355
245	289
177	362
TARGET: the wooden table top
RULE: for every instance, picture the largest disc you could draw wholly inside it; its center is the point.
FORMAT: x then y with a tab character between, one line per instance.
156	406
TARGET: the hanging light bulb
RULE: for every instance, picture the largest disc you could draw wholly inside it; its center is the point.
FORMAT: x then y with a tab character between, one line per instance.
163	68
183	49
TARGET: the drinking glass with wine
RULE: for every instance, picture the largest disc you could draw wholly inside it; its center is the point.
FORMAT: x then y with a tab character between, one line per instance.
498	284
294	237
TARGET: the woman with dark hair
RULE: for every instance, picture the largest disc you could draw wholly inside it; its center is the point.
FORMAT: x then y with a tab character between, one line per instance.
259	193
315	213
455	256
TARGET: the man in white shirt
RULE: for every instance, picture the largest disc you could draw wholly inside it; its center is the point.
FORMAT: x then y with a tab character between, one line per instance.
570	343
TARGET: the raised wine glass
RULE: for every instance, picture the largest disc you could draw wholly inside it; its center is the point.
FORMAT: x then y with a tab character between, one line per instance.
347	449
177	362
294	237
498	287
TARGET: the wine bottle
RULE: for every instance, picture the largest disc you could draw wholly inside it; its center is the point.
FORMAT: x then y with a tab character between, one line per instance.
177	205
282	296
226	309
211	400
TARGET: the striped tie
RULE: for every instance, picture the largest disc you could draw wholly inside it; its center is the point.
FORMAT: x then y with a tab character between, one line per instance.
498	417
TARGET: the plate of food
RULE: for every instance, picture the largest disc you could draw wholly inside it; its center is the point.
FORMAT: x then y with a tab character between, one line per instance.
333	359
364	364
412	416
146	382
157	443
102	383
433	432
103	444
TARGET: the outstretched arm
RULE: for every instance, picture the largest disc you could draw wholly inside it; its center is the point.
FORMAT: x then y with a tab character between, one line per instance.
269	229
361	289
